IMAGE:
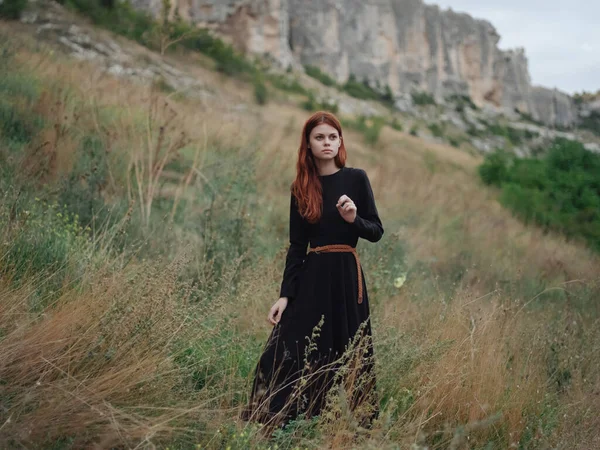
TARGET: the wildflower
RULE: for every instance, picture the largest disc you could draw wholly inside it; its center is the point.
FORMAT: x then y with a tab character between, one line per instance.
399	281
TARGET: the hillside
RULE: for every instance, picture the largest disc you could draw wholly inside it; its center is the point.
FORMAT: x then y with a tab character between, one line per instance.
143	205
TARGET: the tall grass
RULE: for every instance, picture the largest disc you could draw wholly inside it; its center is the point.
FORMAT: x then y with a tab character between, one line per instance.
139	267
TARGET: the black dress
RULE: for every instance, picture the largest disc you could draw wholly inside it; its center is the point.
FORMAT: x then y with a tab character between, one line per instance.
294	374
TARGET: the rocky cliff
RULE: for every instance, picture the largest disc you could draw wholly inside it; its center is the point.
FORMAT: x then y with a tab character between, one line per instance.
405	44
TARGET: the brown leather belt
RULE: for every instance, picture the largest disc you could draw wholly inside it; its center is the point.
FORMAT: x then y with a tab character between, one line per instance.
342	248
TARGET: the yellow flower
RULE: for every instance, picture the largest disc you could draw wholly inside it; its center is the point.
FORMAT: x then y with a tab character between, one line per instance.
399	281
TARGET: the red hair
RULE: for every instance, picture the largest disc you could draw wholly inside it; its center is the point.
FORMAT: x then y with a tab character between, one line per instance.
307	186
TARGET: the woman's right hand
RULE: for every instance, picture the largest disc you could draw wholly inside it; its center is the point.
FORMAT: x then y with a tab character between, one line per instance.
277	309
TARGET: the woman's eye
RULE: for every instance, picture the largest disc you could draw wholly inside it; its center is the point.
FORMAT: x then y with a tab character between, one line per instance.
333	137
319	138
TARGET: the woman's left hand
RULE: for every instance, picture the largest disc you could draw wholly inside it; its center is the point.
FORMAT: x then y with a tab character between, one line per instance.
346	208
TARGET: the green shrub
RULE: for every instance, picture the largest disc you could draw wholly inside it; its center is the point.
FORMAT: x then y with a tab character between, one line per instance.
414	130
422	98
528	117
18	126
436	129
461	101
514	136
396	125
312	104
41	239
560	191
494	169
387	96
475	132
12	9
591	122
373	131
454	141
364	91
260	89
317	74
369	127
359	90
286	83
229	61
81	191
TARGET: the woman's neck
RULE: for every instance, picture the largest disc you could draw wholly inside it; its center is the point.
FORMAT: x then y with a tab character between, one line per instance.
326	167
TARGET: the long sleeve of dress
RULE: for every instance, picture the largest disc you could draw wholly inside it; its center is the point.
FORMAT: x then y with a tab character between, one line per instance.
296	252
367	220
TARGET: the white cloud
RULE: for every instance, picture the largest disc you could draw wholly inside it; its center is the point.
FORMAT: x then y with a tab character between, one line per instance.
560	39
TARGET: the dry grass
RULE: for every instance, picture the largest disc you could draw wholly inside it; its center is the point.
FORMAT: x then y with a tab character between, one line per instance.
80	368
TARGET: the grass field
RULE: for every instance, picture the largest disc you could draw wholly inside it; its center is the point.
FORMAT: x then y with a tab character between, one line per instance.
143	242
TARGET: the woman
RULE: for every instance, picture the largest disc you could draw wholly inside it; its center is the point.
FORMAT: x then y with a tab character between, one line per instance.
322	334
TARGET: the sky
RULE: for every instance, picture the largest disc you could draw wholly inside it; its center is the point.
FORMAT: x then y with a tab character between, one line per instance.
561	38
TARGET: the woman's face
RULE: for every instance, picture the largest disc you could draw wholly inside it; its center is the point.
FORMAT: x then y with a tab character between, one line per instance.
324	141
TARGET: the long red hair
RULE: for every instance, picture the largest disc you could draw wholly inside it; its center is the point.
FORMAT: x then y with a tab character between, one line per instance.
307	186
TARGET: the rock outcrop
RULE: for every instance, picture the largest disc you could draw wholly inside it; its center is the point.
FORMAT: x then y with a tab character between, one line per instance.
405	44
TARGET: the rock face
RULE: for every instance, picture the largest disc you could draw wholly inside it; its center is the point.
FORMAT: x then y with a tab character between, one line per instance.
405	44
253	26
552	106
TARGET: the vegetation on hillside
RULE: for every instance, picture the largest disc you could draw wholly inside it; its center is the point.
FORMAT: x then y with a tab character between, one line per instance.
559	191
591	122
12	9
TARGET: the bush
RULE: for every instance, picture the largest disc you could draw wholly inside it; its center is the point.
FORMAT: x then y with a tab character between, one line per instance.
387	96
42	239
317	74
527	117
514	136
494	169
260	90
461	101
286	83
436	129
591	122
396	125
373	131
414	130
17	126
85	198
360	90
312	104
229	61
454	141
12	9
370	128
422	98
560	191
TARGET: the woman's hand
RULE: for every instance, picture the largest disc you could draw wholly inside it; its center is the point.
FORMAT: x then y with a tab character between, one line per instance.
277	310
346	208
